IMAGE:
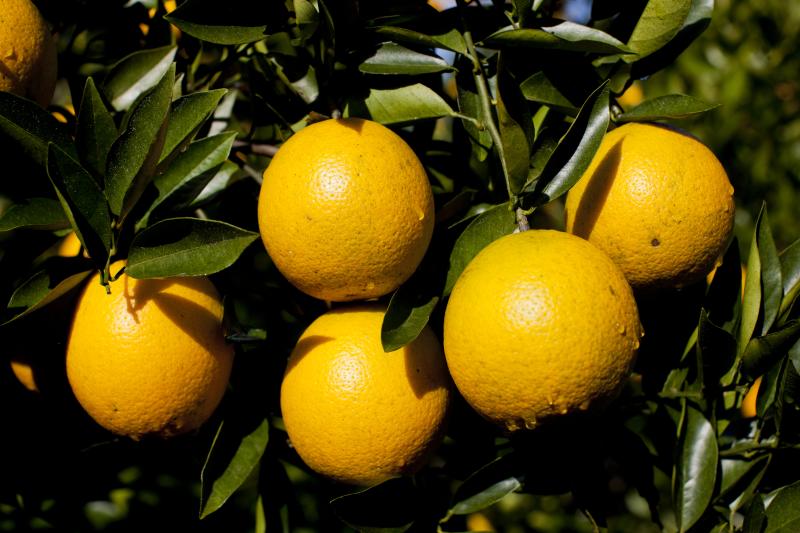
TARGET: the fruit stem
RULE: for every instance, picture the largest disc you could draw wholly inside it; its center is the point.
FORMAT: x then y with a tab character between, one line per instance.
487	116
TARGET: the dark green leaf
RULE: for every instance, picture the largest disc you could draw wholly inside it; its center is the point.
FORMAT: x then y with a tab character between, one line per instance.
695	469
771	282
488	485
723	300
769	394
660	22
391	58
275	492
240	22
133	157
407	315
83	202
406	104
523	9
566	36
32	127
189	173
186	115
235	452
485	228
389	507
763	352
306	17
186	247
221	180
671	106
755	519
516	128
790	273
575	152
35	213
136	74
783	512
469	104
59	277
96	131
451	40
716	348
539	88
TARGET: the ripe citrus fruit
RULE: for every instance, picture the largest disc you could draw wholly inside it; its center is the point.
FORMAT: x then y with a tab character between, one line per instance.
27	52
633	96
150	358
540	324
748	408
658	202
346	210
355	413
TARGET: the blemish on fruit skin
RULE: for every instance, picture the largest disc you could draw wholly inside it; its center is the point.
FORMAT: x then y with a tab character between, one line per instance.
655	242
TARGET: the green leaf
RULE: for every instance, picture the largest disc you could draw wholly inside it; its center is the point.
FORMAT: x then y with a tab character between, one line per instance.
136	74
485	228
405	104
450	40
695	468
539	88
133	156
409	309
716	348
740	477
516	128
763	352
783	512
696	22
488	485
189	173
671	106
83	202
32	127
755	519
221	180
59	276
790	273
389	507
575	152
391	58
34	213
96	131
306	17
237	448
659	23
523	10
186	116
240	22
566	37
771	277
751	295
469	105
186	247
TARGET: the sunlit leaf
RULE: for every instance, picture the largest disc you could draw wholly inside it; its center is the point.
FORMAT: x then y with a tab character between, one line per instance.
186	115
96	131
783	512
391	58
659	23
186	247
406	104
240	22
58	277
136	74
671	106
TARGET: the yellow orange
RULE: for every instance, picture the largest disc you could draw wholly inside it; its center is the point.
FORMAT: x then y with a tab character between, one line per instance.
355	413
658	202
539	325
346	210
150	358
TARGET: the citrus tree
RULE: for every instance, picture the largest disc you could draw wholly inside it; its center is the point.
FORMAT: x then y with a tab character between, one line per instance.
381	266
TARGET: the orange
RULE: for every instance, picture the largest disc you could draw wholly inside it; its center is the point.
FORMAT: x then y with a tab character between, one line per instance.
355	413
21	367
150	358
539	325
346	210
748	407
633	96
28	54
658	202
